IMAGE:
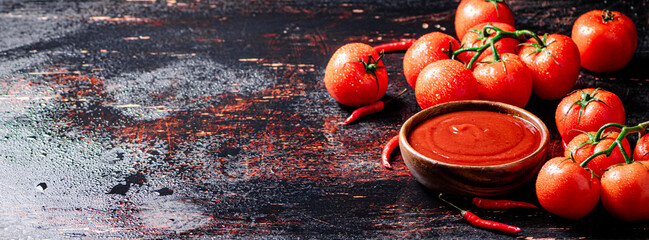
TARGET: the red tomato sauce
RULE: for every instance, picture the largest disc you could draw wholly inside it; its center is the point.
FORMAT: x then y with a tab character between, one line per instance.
476	138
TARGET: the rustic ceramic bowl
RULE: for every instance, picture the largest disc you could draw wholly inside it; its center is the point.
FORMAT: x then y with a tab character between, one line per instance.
455	179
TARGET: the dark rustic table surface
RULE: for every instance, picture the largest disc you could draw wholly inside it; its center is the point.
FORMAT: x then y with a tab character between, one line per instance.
209	119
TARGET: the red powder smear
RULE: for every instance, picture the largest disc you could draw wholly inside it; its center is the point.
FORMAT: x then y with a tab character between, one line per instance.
126	19
270	143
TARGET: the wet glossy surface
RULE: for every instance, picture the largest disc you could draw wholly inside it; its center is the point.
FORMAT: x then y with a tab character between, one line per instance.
172	119
475	138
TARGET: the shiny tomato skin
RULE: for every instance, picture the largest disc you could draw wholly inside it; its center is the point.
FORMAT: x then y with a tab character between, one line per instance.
581	151
473	12
346	79
641	151
594	115
425	50
556	70
567	190
508	80
625	191
605	46
444	81
471	39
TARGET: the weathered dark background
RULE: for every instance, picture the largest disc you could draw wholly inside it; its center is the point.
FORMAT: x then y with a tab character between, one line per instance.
174	119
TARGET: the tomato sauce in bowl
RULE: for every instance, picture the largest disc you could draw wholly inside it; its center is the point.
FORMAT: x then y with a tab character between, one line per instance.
475	138
474	147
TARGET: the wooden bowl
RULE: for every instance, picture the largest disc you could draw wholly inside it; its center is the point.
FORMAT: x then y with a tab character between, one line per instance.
491	180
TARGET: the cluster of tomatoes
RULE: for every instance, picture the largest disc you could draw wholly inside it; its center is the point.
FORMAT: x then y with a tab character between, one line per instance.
440	68
597	163
494	61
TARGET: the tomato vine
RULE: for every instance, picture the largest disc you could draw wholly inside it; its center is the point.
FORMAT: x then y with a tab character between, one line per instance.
624	132
499	34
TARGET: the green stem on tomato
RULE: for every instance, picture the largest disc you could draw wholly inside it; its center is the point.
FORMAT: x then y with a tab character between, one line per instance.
607	16
491	43
521	34
618	141
372	65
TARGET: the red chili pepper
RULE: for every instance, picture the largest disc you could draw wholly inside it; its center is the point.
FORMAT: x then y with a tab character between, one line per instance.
387	151
500	204
482	223
369	109
487	224
394	46
365	110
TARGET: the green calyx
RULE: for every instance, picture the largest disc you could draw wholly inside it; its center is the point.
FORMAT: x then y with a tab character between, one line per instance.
542	45
607	16
449	51
592	139
372	65
586	98
487	30
495	2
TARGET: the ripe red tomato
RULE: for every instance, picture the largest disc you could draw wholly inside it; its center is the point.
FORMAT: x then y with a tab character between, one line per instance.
355	75
587	110
555	68
473	12
475	37
444	81
641	151
507	80
565	189
425	50
625	191
584	145
606	40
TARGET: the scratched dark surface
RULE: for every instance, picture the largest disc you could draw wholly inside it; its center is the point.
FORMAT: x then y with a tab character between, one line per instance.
192	119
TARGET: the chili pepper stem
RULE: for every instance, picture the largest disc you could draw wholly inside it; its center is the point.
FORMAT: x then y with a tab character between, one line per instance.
397	96
451	204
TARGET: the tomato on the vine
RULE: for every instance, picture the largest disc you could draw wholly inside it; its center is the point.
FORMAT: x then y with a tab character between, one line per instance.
554	64
444	81
625	191
566	189
476	37
355	75
426	49
585	144
473	12
641	151
507	80
587	110
606	40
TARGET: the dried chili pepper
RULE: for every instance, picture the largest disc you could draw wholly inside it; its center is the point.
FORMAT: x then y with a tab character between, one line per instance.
394	46
482	223
369	109
500	204
387	150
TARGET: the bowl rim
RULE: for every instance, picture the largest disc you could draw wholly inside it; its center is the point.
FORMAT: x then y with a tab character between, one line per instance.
536	121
